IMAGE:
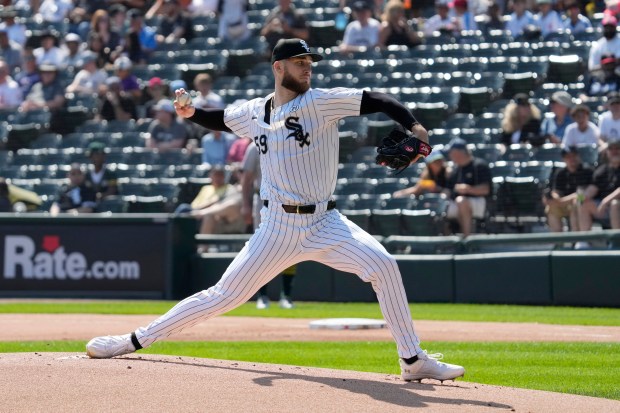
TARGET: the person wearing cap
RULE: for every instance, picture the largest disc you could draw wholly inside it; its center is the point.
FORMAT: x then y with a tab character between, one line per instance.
602	197
90	79
75	197
469	185
165	132
73	51
129	82
117	105
15	29
48	52
560	195
608	44
10	93
547	19
557	119
284	22
433	178
441	22
521	122
206	98
604	79
10	51
583	131
463	17
575	22
296	130
140	39
156	90
520	19
54	11
363	32
47	94
118	14
609	121
99	177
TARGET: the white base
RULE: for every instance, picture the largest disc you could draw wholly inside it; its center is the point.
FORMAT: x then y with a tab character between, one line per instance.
347	324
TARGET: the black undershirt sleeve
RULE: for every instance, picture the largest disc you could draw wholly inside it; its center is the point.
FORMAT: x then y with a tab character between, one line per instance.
210	118
373	102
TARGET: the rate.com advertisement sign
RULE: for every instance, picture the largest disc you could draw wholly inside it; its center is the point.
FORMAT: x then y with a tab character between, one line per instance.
82	257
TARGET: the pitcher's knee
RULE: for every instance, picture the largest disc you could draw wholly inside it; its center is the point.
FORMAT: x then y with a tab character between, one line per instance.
384	265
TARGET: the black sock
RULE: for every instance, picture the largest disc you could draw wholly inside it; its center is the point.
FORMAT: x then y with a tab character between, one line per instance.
287	284
135	342
411	360
263	291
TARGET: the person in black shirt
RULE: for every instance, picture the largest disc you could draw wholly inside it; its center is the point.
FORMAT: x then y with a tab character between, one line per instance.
561	194
468	184
76	197
433	177
602	196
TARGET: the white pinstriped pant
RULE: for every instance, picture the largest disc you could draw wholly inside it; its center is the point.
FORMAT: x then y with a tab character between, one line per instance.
283	240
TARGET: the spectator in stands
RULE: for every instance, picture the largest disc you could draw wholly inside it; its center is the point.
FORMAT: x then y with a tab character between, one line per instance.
575	21
608	45
156	91
521	123
5	202
129	82
111	39
555	122
547	19
520	18
16	30
395	29
233	20
53	10
284	22
118	13
464	18
201	7
47	94
433	178
48	52
10	51
99	177
609	121
73	52
252	204
75	197
117	105
582	131
601	199
174	25
494	19
441	22
217	206
165	132
237	149
604	78
363	32
95	45
90	79
469	184
140	39
215	147
561	193
29	73
10	93
206	97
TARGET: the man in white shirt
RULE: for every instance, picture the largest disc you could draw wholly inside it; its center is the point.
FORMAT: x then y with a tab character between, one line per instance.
90	79
582	132
548	20
575	21
609	122
48	53
609	44
10	93
519	19
363	32
440	21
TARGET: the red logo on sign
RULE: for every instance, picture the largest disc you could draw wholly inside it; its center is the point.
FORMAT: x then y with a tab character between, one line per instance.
51	243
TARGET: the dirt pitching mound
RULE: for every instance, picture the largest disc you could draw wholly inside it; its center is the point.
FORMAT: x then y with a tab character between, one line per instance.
69	382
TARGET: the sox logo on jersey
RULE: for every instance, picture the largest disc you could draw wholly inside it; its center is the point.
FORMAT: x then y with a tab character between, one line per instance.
297	131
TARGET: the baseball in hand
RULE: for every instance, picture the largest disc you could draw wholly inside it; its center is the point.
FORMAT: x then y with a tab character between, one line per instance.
184	99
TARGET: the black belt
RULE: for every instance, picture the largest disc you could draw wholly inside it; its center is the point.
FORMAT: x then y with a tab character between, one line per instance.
303	209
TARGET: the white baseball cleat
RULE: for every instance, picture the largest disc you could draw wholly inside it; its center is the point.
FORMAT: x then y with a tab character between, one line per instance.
286	303
427	366
262	302
109	346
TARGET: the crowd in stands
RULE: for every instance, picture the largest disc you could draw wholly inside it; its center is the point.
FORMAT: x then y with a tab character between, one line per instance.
504	87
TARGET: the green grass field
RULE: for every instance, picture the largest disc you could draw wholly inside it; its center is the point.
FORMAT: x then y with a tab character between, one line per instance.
580	368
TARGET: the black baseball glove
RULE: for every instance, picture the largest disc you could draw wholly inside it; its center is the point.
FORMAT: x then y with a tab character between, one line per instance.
400	148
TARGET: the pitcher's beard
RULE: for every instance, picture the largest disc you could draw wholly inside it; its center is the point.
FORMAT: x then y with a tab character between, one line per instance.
291	84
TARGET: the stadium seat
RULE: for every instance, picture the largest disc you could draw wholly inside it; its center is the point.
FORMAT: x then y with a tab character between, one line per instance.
399	203
358	186
502	169
386	222
474	100
364	154
349	171
460	121
588	154
488	120
47	141
146	204
421	222
565	69
21	135
388	186
431	115
361	217
375	172
458	79
541	171
365	202
548	152
514	83
518	153
489	152
519	198
114	204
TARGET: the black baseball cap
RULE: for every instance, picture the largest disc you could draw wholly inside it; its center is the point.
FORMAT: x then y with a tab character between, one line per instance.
287	48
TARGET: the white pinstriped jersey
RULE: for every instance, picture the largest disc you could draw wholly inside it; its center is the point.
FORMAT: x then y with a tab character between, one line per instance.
299	147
